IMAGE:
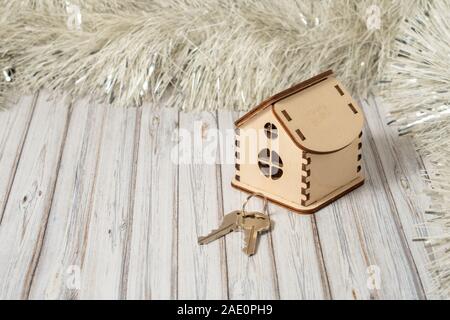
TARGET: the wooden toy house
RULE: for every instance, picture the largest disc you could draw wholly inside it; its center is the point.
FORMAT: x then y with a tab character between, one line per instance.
302	147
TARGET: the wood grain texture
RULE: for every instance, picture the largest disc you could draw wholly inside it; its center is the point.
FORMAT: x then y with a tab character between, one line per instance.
402	168
360	231
104	268
299	258
343	257
202	270
26	212
14	124
153	252
96	192
66	236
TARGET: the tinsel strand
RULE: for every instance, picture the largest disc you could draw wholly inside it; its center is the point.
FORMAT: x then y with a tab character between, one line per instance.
417	89
210	54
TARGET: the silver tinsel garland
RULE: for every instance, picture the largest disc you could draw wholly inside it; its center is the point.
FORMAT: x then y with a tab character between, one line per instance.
211	54
418	91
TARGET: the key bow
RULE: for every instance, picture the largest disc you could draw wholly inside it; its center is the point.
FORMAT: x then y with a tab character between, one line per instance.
257	194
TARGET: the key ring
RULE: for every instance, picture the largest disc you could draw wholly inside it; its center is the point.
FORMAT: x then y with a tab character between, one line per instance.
266	203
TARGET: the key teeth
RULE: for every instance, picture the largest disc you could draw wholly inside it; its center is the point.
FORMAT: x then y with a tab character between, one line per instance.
215	235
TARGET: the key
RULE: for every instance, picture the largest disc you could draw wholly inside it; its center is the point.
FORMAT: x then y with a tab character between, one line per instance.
229	224
253	224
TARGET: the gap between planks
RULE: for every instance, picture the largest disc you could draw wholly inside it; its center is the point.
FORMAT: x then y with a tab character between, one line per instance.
227	250
405	191
34	174
15	161
47	213
395	211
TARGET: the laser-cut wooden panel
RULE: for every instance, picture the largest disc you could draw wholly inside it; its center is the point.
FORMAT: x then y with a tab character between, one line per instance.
321	119
316	128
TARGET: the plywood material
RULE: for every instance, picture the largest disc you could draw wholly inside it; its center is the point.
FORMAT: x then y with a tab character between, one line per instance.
330	171
252	140
312	157
281	95
322	120
312	208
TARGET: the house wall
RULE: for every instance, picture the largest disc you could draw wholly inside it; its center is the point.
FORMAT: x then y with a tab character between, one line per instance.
251	140
329	172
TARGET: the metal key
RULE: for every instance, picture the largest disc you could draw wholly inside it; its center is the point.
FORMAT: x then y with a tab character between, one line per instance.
229	223
253	223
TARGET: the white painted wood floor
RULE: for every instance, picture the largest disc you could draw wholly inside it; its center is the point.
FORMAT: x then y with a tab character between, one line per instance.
93	207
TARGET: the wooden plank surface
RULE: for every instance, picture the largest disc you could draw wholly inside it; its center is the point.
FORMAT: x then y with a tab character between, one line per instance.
402	168
152	272
299	257
14	124
104	268
67	231
102	202
26	212
202	270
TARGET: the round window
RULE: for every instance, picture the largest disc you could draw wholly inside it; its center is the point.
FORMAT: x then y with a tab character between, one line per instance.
270	164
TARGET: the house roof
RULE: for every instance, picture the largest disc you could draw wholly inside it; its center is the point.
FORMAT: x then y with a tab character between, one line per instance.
318	114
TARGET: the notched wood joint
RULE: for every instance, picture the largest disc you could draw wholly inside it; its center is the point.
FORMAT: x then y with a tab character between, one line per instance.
352	107
307	161
305	167
286	115
304	202
300	134
305	195
339	90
